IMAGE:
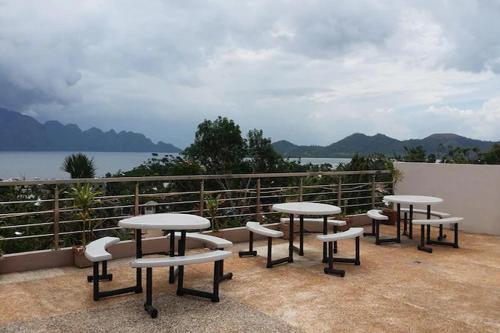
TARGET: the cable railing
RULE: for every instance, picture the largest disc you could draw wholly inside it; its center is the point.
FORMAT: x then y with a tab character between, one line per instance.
37	215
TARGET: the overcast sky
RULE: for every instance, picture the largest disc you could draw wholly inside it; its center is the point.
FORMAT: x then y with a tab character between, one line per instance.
310	72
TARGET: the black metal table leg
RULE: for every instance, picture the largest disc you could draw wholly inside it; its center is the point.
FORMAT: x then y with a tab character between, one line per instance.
172	273
290	241
410	233
398	226
325	231
182	251
301	245
405	224
138	254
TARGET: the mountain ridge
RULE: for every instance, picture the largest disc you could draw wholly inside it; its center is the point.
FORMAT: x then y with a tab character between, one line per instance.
55	136
359	143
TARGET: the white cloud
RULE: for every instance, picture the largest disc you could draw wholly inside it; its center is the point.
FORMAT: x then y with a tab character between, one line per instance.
308	72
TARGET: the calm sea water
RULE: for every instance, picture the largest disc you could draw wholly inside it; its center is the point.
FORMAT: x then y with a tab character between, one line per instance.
47	165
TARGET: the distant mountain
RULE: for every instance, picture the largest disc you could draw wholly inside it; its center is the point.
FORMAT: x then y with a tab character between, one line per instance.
378	144
24	133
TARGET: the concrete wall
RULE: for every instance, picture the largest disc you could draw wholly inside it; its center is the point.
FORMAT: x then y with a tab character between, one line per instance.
470	191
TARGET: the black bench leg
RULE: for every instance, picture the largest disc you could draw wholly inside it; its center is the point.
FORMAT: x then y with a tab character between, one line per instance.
222	276
405	224
410	233
441	234
96	280
330	270
148	306
398	225
373	230
422	246
217	274
325	231
335	230
456	236
97	294
250	251
301	235
357	262
104	275
270	261
377	232
172	274
428	233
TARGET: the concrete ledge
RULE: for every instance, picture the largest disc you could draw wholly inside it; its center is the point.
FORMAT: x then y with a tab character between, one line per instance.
29	261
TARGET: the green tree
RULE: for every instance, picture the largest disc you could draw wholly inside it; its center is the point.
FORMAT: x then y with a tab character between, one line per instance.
79	166
218	146
492	156
263	156
414	154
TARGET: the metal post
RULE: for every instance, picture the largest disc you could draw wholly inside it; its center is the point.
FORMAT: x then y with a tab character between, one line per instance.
301	189
136	199
339	192
373	191
202	200
257	204
56	218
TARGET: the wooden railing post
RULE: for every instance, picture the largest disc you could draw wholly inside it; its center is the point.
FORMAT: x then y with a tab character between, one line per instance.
56	218
301	189
136	199
257	204
202	198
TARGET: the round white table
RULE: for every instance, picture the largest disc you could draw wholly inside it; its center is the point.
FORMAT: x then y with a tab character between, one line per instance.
169	222
306	209
411	200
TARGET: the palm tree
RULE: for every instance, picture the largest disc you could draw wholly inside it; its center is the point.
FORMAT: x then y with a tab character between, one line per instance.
79	166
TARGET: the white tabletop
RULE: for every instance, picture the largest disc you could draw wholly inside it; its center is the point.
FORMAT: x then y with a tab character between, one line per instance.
165	221
307	208
412	199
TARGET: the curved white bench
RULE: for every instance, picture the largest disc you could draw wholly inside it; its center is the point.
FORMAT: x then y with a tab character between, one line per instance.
208	241
355	233
330	221
434	213
427	239
447	220
256	227
192	259
337	223
348	234
217	257
96	252
377	216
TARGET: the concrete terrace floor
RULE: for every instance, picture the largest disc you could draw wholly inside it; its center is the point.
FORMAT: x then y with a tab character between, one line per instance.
396	289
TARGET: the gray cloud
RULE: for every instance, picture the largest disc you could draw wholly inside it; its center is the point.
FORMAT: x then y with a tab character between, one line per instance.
324	69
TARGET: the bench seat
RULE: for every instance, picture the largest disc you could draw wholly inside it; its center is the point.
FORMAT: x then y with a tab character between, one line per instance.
257	228
434	213
425	235
337	223
329	239
351	233
447	220
208	241
95	251
376	214
180	261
